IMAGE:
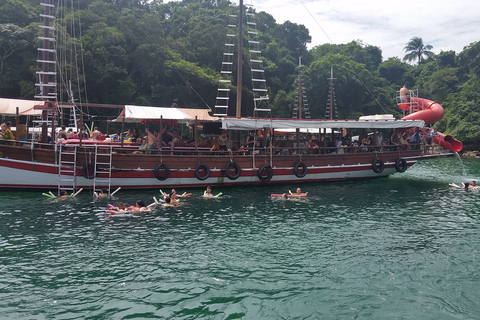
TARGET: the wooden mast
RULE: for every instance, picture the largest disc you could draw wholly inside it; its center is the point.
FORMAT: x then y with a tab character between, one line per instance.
238	109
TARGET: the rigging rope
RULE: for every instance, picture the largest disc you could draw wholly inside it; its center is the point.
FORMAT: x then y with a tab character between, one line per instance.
352	71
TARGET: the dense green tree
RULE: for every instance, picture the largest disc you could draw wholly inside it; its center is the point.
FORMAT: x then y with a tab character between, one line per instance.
154	53
12	39
395	71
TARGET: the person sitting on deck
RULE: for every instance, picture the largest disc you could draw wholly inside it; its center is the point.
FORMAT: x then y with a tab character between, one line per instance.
7	134
143	147
366	142
69	133
62	131
249	142
176	141
311	146
21	131
215	145
166	136
223	141
95	133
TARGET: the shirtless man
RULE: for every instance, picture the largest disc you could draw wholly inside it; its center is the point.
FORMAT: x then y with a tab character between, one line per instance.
151	139
95	133
62	131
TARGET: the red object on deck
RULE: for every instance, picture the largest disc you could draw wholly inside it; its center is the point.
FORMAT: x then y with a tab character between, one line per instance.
431	112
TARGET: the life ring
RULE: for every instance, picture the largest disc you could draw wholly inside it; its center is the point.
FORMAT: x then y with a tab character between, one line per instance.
260	132
303	169
378	165
232	165
198	172
87	168
267	177
401	165
161	167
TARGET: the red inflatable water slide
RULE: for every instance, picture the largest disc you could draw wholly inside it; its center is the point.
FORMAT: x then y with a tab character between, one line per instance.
430	112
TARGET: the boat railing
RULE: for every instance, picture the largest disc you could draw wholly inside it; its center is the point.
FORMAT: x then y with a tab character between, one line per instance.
299	149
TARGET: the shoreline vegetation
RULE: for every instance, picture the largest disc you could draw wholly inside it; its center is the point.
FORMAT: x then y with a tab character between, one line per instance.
142	52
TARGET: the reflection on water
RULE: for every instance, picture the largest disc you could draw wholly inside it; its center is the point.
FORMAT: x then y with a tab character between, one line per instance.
399	247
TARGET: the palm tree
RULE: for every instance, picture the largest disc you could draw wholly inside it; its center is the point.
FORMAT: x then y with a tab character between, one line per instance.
415	50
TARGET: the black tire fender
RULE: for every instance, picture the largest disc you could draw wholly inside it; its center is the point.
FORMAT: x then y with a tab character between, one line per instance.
401	165
378	165
233	165
300	165
86	171
199	169
265	178
158	169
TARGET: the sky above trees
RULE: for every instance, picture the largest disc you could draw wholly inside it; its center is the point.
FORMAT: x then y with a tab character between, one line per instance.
446	25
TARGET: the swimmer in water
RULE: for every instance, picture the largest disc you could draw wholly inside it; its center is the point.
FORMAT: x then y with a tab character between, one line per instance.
140	206
298	192
103	193
208	193
285	196
121	207
173	197
168	202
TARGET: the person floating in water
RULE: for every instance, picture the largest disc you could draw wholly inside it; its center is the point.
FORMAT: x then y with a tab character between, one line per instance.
208	193
64	195
466	185
474	185
122	207
168	202
103	193
173	197
285	196
140	206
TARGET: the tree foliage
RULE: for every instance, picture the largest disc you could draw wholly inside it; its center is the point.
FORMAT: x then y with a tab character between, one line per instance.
155	53
415	50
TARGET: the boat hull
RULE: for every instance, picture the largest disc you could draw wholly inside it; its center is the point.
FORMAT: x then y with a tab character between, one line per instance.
129	171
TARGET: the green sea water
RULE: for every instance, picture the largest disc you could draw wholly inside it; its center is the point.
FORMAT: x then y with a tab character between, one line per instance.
402	247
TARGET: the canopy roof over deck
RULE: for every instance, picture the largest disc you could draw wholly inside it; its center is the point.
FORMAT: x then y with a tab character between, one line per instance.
285	124
8	107
139	113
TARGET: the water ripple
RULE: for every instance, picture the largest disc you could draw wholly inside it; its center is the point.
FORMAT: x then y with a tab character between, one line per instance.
404	247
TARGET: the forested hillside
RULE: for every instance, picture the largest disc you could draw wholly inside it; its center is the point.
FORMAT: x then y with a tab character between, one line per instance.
151	53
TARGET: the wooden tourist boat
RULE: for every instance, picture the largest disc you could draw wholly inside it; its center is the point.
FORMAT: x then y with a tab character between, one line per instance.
72	165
